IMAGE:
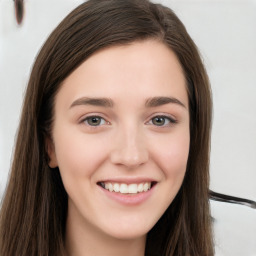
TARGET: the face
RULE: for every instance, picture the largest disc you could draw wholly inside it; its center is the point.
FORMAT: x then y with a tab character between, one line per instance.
121	138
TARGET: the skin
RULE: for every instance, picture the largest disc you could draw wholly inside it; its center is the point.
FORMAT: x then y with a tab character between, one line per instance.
127	143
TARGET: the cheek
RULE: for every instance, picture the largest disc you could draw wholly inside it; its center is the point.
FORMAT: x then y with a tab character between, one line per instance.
171	159
78	155
172	156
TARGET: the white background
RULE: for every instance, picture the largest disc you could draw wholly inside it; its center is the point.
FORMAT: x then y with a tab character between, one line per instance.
225	32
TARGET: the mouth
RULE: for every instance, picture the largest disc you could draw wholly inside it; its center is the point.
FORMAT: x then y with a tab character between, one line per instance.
128	189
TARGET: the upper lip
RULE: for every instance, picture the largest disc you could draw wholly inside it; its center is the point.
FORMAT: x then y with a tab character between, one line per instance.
128	180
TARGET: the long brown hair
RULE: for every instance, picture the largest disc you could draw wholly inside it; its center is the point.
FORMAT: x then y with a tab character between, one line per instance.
33	214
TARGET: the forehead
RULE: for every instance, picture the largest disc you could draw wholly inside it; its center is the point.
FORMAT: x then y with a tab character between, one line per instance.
145	68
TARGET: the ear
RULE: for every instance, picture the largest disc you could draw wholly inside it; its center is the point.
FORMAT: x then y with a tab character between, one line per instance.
50	149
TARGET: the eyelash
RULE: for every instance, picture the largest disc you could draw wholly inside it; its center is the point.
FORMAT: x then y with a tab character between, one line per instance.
170	120
167	119
85	120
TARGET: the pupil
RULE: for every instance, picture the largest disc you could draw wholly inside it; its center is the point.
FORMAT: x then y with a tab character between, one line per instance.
158	121
94	121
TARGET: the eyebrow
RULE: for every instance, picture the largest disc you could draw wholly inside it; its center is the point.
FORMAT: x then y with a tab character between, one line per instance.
159	101
106	102
101	102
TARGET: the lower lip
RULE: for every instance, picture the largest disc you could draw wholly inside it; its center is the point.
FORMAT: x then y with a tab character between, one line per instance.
129	199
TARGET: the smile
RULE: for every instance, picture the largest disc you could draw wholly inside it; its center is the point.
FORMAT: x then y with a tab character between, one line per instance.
127	192
124	188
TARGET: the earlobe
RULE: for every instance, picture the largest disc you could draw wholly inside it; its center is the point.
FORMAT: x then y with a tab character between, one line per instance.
50	149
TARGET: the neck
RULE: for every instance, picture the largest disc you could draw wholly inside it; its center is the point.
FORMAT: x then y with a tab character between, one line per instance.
85	240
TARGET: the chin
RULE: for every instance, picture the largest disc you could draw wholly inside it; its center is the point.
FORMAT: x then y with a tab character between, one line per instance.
129	231
128	234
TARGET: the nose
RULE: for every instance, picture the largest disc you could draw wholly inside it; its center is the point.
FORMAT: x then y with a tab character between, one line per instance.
129	148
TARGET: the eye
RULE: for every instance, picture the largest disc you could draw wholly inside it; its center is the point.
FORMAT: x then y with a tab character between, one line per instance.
94	121
162	121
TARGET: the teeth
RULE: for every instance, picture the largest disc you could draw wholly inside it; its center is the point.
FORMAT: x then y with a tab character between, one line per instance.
116	187
110	187
140	187
145	187
132	188
125	188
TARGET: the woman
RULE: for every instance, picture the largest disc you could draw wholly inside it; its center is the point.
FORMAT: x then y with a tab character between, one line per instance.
112	153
